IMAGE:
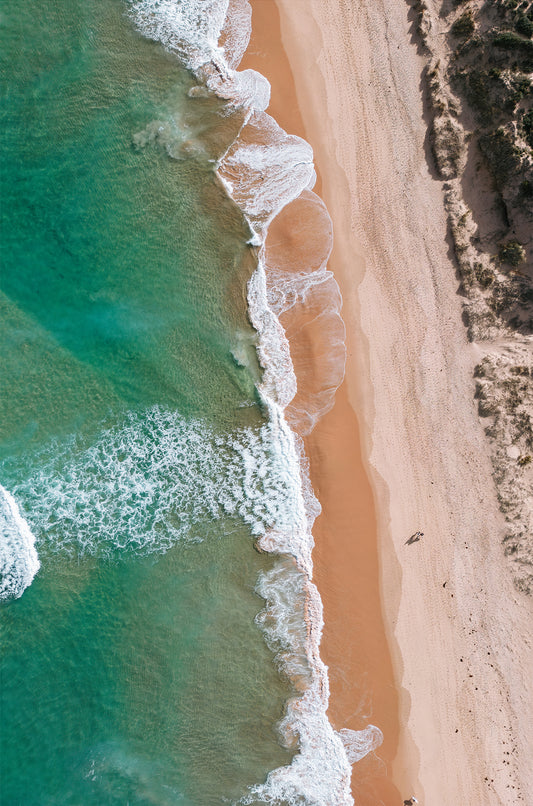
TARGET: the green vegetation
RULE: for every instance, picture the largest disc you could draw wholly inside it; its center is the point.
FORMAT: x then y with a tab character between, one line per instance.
483	275
422	24
520	87
490	130
476	86
521	49
463	26
527	125
511	253
501	153
524	25
492	93
508	4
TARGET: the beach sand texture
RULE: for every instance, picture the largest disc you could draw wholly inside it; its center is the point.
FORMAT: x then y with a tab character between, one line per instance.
458	632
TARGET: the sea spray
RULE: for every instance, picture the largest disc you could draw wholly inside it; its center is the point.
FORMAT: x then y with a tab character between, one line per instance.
264	170
18	558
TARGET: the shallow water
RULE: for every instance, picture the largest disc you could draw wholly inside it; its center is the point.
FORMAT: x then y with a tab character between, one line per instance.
130	431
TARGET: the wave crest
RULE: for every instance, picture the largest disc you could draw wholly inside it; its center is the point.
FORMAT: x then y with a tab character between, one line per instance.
18	558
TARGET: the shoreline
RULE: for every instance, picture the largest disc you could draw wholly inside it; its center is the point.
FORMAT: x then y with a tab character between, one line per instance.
345	554
449	602
293	300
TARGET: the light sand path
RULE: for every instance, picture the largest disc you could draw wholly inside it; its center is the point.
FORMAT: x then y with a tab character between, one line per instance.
459	633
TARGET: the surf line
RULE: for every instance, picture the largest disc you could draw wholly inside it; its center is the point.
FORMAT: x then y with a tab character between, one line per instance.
264	171
19	561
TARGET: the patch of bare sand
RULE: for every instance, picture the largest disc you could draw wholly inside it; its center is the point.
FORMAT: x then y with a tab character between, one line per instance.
458	630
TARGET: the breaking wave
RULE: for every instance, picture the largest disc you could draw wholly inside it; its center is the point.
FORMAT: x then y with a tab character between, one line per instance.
154	480
18	558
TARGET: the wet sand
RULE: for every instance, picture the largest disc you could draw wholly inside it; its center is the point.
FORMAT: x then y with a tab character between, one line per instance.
354	645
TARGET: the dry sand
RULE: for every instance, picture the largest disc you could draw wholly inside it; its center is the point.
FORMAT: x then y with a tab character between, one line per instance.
458	632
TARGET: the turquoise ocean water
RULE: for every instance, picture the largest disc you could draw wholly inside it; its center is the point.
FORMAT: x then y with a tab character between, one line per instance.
132	671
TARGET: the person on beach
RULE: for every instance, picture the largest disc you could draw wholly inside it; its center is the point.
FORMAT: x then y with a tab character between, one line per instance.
413	539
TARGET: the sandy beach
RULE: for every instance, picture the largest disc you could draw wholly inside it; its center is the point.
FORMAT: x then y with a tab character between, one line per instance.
345	556
429	641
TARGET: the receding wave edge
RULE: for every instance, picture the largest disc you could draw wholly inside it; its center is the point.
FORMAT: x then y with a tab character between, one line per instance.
263	171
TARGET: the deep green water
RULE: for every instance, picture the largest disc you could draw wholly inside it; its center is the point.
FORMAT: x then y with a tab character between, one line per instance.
128	675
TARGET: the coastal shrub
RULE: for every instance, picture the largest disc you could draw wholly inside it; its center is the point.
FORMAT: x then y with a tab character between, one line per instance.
507	40
471	49
464	26
526	190
505	298
521	86
484	275
523	428
446	139
513	391
524	25
501	154
511	253
487	406
477	91
527	125
482	370
522	49
493	93
422	20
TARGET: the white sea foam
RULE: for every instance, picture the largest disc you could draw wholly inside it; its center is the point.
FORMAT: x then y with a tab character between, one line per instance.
189	28
264	170
236	31
305	296
358	743
267	169
192	29
279	381
18	558
154	480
